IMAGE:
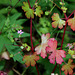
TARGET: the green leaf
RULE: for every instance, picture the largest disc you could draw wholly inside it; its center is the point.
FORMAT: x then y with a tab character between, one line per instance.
71	7
13	50
70	0
44	30
2	64
2	17
45	4
18	57
11	2
11	72
36	28
29	12
16	35
38	11
3	41
14	17
2	23
21	21
5	11
46	65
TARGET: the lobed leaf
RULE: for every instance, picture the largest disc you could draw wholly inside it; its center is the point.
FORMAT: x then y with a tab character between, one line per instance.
41	48
68	68
71	22
29	12
58	54
38	11
30	59
57	21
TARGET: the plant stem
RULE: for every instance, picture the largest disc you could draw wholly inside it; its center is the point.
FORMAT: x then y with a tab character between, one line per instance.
64	32
32	42
23	73
55	4
54	68
71	14
59	70
13	7
16	71
62	40
31	35
34	4
29	4
32	48
37	69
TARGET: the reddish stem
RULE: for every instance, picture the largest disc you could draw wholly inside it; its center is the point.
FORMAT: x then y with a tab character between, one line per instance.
64	62
62	40
31	37
34	5
71	14
59	69
36	45
29	4
63	36
64	32
54	68
61	0
73	73
37	69
32	42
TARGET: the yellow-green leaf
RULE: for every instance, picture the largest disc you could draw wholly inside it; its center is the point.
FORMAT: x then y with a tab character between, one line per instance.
38	11
28	12
57	21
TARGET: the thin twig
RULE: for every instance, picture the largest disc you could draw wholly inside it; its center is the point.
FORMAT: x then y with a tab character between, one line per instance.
13	7
56	5
16	71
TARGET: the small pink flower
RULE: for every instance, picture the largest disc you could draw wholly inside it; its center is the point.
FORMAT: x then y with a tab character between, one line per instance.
20	32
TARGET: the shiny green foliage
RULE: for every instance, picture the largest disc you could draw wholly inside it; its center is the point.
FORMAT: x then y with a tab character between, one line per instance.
38	11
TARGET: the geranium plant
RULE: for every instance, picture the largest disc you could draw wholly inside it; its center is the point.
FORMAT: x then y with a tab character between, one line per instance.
20	38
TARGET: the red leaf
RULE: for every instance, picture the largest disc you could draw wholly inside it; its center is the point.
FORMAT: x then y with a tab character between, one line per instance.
58	54
71	22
